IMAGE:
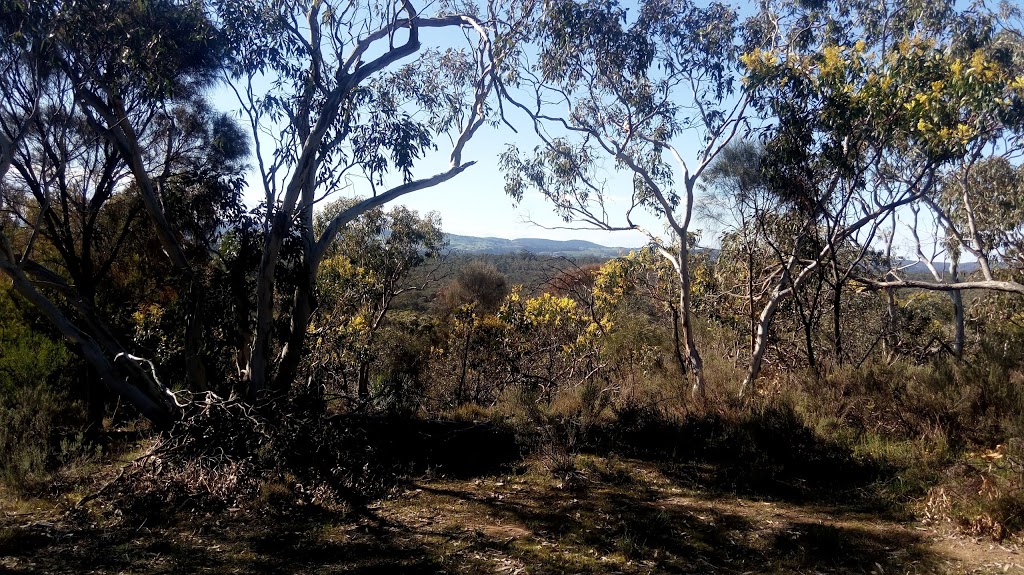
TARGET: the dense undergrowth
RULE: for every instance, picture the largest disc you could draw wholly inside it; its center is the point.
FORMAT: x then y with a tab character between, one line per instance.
482	391
901	441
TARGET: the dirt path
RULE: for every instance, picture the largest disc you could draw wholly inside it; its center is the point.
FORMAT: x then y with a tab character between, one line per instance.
614	516
956	551
631	519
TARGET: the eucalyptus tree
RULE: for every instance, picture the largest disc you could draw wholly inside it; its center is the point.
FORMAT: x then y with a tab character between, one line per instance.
84	123
652	96
339	92
331	91
975	208
873	105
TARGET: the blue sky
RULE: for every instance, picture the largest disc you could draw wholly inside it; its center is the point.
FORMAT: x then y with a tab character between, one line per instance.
474	203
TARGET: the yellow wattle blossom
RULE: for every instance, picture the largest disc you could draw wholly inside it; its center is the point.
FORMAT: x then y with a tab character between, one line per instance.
832	59
551	310
957	68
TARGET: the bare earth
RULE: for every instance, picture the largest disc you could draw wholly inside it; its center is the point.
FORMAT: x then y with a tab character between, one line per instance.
618	516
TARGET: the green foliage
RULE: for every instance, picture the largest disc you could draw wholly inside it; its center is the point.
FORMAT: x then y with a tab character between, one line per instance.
921	93
478	284
368	265
37	414
991	193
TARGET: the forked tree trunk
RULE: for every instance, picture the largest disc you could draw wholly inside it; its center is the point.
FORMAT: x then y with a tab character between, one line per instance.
764	323
259	357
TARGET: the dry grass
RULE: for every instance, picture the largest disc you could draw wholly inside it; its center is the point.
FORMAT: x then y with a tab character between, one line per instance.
624	516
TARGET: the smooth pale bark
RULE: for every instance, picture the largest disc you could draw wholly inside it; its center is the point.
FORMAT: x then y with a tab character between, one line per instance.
764	323
784	288
1005	286
686	322
300	183
921	185
302	301
958	311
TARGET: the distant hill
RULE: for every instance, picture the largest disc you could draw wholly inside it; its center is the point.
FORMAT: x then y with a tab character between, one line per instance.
912	267
539	246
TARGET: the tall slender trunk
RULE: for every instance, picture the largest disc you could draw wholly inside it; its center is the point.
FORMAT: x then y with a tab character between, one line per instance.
808	324
259	357
958	312
809	317
677	347
889	341
761	342
752	315
291	353
686	323
837	316
764	321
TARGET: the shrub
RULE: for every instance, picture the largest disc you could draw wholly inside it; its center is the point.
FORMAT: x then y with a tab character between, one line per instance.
37	417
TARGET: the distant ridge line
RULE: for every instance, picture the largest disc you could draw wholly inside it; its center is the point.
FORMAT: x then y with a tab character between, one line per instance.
540	246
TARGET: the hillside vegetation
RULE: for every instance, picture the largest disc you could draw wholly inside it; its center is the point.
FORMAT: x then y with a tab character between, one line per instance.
320	379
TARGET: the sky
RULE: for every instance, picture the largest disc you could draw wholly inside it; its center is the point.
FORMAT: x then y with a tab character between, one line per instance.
474	203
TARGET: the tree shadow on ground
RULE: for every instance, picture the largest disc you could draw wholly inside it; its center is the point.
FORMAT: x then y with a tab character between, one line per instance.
317	542
767	453
457	449
579	534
